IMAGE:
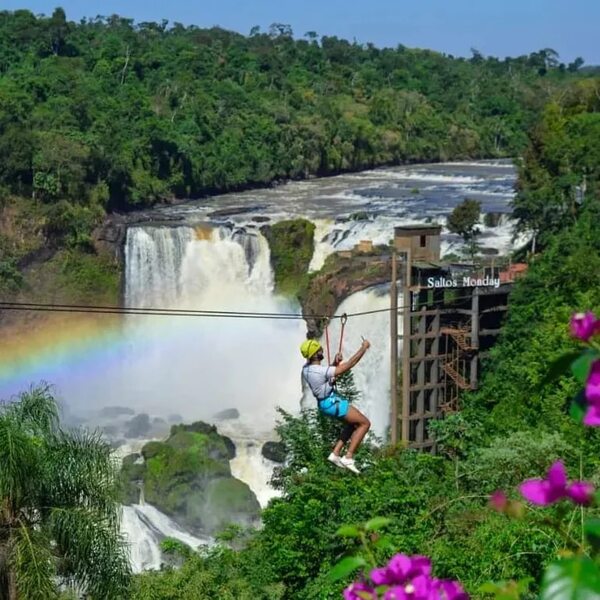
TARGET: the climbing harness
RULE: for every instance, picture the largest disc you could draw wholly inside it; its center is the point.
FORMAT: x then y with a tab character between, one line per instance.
333	396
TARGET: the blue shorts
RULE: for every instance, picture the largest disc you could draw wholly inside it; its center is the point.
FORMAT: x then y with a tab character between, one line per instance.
334	405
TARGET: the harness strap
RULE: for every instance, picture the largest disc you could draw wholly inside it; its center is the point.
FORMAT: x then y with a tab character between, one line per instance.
343	321
327	342
333	392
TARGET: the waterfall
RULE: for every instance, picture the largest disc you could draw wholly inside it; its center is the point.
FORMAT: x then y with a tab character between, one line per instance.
249	465
144	527
153	259
199	366
322	242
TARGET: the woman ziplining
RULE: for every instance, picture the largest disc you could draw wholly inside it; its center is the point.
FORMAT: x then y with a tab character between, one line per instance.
321	380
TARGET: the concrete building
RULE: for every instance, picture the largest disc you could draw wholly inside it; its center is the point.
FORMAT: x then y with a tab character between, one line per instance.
422	241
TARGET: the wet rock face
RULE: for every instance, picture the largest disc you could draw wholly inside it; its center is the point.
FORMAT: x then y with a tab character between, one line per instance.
227	414
274	451
114	412
235	210
109	238
188	478
138	427
339	278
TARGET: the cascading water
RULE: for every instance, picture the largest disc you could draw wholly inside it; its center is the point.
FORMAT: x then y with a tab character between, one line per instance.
323	246
249	464
199	366
144	527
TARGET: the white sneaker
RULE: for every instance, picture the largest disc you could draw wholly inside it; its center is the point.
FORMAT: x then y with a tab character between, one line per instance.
348	463
336	460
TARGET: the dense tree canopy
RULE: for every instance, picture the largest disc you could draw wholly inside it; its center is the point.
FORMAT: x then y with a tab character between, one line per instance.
111	113
560	170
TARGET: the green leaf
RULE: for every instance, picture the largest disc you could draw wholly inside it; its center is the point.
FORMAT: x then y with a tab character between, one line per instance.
348	531
489	588
592	532
346	566
571	579
506	590
384	543
559	366
377	523
581	367
578	407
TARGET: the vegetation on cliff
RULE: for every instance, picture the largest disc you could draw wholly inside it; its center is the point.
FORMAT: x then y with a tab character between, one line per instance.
340	277
37	264
292	247
559	175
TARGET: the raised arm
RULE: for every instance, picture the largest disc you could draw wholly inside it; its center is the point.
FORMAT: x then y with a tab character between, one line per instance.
353	360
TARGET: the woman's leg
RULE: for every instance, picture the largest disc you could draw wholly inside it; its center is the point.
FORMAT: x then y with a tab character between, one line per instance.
345	435
361	425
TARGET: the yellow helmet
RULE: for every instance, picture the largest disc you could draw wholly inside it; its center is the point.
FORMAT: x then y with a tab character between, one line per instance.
309	348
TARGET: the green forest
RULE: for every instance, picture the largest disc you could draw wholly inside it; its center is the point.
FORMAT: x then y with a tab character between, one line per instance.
106	115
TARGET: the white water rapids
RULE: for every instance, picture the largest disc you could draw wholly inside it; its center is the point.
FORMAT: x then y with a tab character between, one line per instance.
144	527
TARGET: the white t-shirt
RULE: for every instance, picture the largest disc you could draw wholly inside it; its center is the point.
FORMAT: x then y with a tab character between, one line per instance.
320	379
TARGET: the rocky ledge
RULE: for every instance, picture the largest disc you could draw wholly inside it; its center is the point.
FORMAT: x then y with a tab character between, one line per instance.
340	277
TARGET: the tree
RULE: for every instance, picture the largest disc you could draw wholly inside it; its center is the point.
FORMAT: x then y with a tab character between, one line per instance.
575	65
463	221
58	506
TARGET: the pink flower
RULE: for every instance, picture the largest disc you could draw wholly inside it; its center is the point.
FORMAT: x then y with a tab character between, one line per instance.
581	492
409	578
360	591
400	569
584	325
592	416
396	592
592	394
499	501
592	387
554	488
452	590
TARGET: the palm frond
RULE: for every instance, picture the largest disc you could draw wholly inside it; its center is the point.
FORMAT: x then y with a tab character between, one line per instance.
36	410
32	562
19	462
80	471
94	553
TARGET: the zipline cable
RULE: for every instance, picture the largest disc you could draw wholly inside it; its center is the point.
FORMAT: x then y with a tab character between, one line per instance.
150	311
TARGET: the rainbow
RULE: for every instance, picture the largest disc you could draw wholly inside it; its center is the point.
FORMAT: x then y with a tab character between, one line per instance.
62	345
